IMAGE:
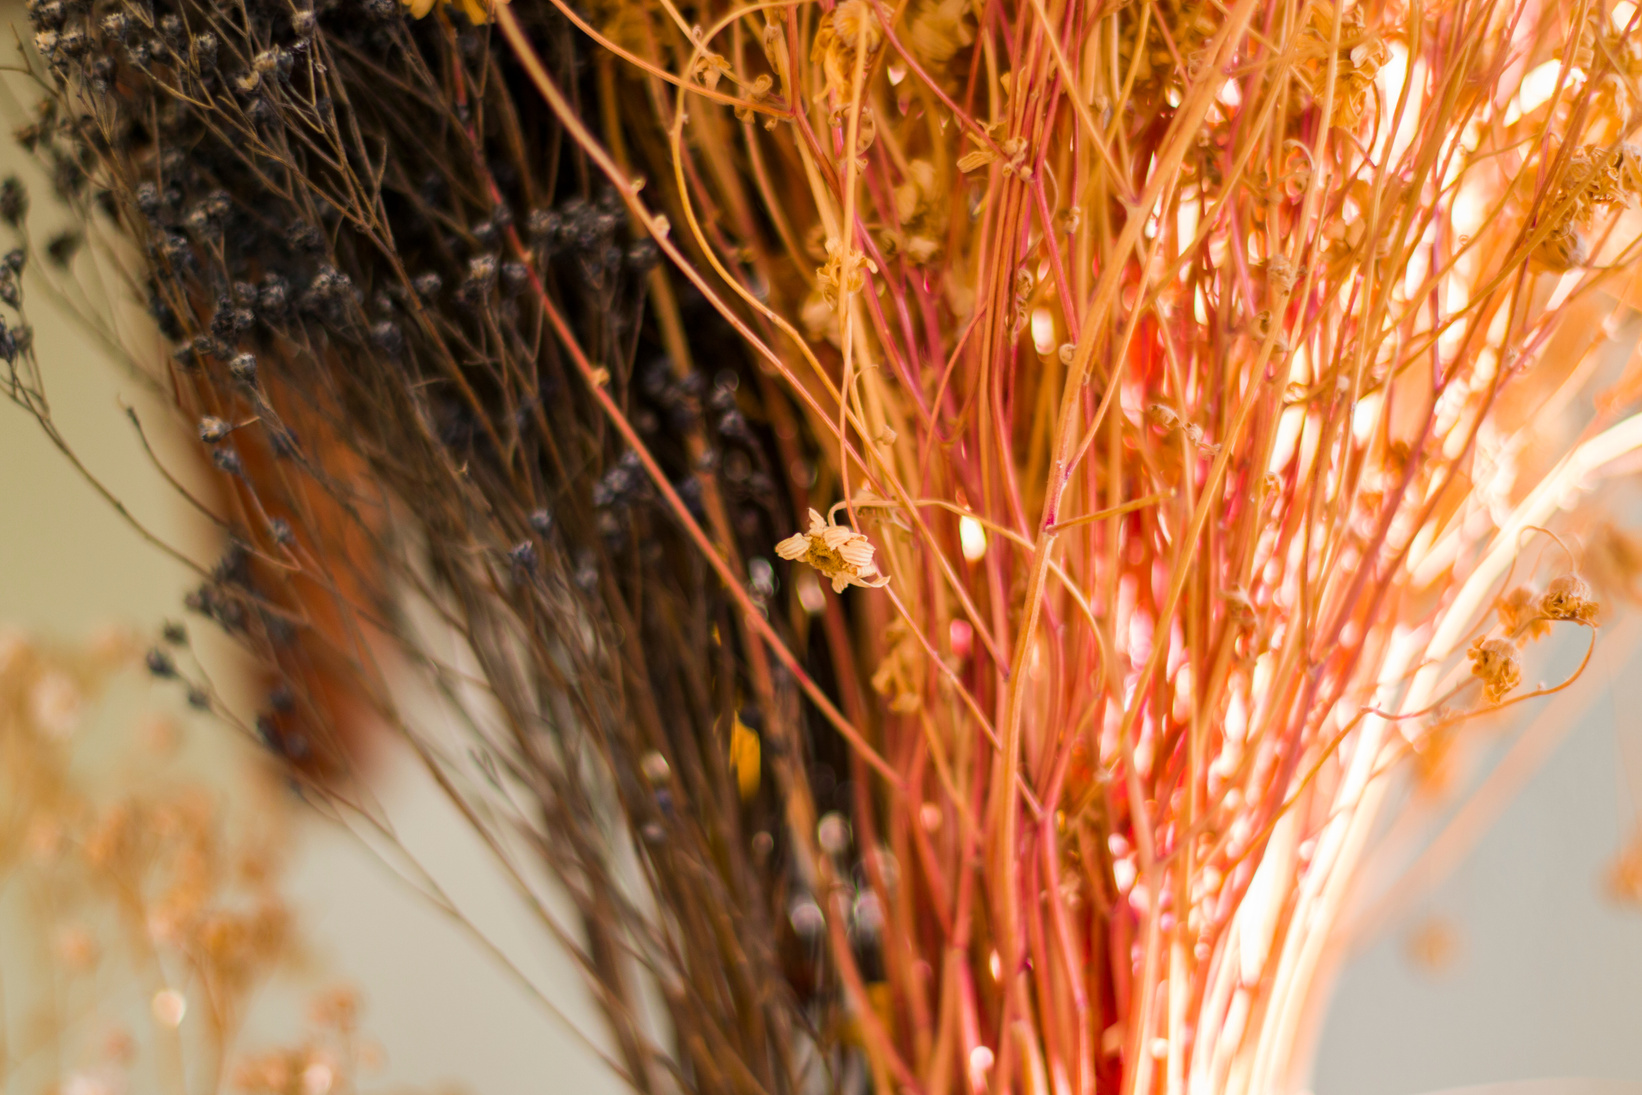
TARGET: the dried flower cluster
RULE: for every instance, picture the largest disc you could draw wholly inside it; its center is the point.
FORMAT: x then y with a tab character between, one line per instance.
1196	372
1524	616
142	911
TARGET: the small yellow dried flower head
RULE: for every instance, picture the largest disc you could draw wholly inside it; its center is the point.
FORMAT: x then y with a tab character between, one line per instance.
1560	251
846	31
1163	417
897	675
1496	664
1569	598
938	30
837	551
477	11
844	274
1519	612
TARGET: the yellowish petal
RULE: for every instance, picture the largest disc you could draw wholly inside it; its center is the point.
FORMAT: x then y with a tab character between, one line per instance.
836	536
857	553
795	546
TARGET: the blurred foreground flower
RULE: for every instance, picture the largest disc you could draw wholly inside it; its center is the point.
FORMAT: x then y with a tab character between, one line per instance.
143	893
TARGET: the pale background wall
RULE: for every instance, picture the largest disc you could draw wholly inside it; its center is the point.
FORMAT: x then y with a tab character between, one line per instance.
1547	975
1547	979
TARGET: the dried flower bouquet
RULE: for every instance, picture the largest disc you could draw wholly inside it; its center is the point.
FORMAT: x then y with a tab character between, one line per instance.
1189	392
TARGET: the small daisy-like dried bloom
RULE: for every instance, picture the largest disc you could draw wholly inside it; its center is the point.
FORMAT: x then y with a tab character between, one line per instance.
1519	612
897	675
938	30
844	274
837	551
849	29
709	69
1569	598
1495	663
1595	178
1560	251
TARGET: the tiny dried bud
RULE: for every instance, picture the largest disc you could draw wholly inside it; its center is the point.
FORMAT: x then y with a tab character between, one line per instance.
1280	274
204	49
522	556
1162	417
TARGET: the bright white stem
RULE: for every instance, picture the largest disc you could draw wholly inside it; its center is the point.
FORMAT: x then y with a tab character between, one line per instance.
1295	986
